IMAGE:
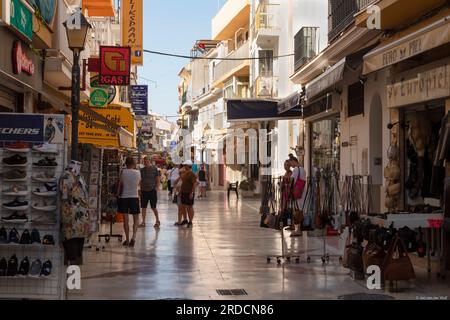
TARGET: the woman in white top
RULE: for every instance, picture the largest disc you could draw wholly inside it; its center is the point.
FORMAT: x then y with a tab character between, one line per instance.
298	172
128	204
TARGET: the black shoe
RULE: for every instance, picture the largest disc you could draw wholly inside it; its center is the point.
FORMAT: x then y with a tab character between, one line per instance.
13	236
16	205
16	218
15	160
3	235
13	266
46	268
46	162
48	240
3	267
35	236
185	222
189	225
24	267
26	237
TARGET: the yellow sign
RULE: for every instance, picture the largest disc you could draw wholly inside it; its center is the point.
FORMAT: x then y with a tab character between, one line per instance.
115	113
132	29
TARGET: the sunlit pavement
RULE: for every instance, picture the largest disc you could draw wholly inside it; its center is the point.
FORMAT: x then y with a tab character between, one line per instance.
226	249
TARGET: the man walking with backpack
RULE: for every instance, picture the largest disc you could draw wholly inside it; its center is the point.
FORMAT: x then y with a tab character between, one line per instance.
149	190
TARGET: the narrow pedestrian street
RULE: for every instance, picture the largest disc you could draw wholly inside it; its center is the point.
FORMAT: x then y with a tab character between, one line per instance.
226	249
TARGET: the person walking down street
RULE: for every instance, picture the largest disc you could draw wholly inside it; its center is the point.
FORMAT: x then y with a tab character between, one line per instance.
188	185
174	174
128	195
203	182
182	215
149	190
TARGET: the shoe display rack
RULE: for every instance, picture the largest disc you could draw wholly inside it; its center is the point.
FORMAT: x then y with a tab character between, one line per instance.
35	206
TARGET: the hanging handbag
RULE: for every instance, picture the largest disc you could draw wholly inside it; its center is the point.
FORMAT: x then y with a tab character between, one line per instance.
347	249
355	260
298	214
397	266
373	255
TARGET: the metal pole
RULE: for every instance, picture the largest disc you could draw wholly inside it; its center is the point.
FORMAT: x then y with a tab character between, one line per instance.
75	102
139	146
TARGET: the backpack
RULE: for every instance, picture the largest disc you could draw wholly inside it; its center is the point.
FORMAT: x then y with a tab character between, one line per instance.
299	186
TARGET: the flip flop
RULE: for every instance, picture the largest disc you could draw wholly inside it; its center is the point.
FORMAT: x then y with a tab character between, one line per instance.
142	225
157	224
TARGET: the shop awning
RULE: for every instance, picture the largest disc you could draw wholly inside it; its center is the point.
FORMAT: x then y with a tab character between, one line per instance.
293	102
257	110
429	34
326	80
99	8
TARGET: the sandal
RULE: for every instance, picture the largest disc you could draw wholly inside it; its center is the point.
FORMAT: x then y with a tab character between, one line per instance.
132	242
126	243
157	224
178	224
142	225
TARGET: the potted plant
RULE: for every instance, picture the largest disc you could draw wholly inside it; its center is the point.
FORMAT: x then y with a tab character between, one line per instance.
247	188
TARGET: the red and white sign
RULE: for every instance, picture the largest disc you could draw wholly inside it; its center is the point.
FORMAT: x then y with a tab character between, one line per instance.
20	60
115	65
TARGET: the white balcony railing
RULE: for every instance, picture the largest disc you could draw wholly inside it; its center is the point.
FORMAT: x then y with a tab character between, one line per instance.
266	17
225	68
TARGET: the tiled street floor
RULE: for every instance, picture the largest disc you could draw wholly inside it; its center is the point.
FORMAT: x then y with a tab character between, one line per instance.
226	249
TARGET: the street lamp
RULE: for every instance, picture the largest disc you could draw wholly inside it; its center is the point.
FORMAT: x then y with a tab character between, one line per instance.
139	124
77	28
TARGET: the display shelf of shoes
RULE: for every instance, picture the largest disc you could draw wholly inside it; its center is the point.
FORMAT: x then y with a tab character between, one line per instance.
28	287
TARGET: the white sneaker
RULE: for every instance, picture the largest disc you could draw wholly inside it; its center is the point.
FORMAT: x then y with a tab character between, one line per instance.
43	219
46	148
46	176
44	206
16	191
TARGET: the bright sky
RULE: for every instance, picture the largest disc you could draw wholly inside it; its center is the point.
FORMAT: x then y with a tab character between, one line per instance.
171	26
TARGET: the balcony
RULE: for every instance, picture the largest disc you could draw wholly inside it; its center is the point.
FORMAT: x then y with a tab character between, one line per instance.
396	14
233	15
225	69
306	46
266	25
266	87
340	17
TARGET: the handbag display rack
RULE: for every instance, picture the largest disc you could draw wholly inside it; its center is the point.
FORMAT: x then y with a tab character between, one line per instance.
274	219
323	202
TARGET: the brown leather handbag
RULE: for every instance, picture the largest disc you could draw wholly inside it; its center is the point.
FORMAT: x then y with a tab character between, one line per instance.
373	255
398	266
298	214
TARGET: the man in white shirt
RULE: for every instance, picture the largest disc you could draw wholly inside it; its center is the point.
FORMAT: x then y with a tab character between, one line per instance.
128	204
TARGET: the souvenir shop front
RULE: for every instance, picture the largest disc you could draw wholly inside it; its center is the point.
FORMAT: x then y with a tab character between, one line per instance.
105	141
415	102
33	162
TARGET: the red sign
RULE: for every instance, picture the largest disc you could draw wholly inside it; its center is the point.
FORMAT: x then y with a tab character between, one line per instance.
435	223
115	64
20	61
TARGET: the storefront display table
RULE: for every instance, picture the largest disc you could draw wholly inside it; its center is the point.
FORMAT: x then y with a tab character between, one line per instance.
426	221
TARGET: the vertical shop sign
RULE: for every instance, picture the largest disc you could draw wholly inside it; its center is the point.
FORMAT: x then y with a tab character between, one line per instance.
132	29
20	61
21	18
139	100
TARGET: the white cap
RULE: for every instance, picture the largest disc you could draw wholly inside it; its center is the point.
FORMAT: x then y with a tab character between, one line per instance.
188	163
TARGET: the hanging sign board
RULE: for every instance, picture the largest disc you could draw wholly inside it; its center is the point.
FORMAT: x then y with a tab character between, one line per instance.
21	18
115	66
100	95
132	29
139	100
32	128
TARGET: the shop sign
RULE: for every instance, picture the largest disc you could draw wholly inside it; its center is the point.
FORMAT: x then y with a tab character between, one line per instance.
100	96
428	85
22	18
407	47
115	66
31	128
139	100
120	115
132	29
20	60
